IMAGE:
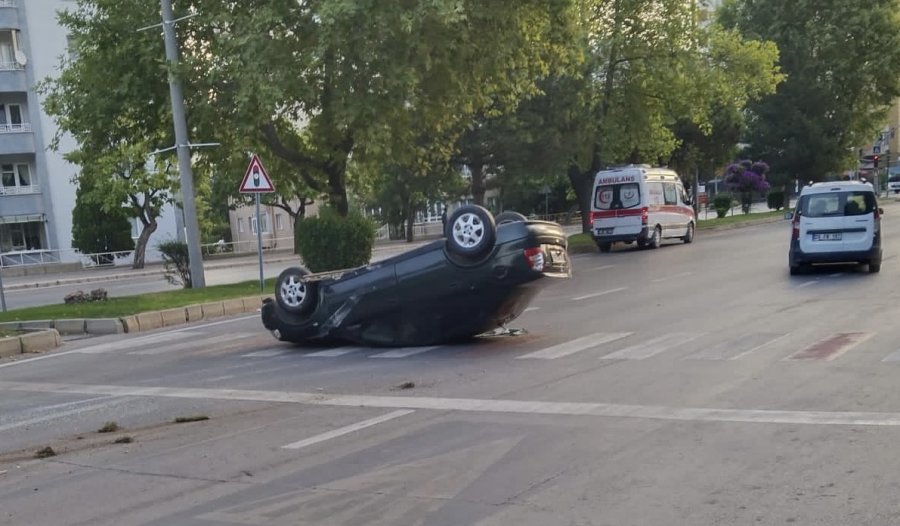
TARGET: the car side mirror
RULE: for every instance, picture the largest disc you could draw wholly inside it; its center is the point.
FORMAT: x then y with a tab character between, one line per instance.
789	215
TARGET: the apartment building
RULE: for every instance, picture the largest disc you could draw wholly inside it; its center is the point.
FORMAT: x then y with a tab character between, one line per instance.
37	194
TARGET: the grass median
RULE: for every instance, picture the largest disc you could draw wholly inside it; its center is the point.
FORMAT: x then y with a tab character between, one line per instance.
116	307
581	243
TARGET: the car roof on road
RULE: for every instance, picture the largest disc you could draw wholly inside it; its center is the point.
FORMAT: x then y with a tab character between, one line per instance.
837	185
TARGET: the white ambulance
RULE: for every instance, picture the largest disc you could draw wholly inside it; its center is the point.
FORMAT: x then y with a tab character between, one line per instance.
637	203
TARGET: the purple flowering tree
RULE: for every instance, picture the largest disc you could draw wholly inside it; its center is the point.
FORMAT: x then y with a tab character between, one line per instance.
746	177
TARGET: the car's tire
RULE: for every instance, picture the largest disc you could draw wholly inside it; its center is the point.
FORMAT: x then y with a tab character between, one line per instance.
509	217
293	294
604	246
795	270
874	268
689	237
656	239
470	231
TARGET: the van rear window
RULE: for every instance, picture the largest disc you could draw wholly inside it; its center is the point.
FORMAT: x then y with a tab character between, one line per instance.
838	204
615	196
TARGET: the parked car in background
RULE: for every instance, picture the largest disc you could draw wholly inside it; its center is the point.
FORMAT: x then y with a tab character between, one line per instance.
836	222
480	277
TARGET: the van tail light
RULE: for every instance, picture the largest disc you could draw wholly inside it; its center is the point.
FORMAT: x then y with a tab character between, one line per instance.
877	215
535	258
645	216
795	226
594	216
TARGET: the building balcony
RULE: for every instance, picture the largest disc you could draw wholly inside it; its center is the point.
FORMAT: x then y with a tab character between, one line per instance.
20	190
16	139
12	78
9	15
21	203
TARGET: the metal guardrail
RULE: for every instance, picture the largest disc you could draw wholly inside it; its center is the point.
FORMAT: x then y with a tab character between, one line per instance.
24	127
20	190
8	3
11	66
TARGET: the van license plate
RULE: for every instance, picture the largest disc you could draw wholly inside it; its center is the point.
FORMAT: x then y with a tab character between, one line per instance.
604	231
835	236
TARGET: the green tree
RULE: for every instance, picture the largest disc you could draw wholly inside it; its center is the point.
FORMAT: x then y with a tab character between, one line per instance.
96	230
841	59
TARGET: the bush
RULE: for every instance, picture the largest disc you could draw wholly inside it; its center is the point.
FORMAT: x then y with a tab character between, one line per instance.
775	199
175	254
722	203
331	242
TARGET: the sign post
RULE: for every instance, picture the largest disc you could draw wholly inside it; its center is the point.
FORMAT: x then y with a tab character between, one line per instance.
2	295
256	181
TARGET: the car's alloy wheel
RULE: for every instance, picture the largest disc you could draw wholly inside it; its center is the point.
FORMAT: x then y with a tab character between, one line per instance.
689	237
293	293
470	231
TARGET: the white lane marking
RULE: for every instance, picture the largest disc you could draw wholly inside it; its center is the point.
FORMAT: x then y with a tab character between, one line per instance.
574	346
403	353
531	309
55	415
596	294
763	416
807	283
670	278
198	343
652	347
738	348
893	357
332	353
604	267
135	342
77	351
266	353
346	430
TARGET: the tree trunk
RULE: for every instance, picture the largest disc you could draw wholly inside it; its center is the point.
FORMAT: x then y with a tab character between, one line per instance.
582	183
478	187
140	247
410	222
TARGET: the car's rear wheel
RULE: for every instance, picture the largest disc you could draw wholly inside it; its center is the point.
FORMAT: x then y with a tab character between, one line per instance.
470	231
689	237
292	293
604	246
874	268
509	217
656	238
795	270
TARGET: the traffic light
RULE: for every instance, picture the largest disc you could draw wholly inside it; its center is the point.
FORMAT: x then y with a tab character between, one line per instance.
875	161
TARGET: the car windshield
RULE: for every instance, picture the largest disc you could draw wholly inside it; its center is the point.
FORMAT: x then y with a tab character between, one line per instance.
615	196
835	204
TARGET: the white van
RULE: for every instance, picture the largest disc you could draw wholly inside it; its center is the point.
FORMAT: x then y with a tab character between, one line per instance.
640	204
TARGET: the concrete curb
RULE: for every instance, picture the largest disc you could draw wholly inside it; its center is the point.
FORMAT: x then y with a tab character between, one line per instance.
144	321
29	342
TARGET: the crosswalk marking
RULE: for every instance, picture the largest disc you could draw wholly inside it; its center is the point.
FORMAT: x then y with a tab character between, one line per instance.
267	353
736	348
831	347
577	345
193	344
893	357
403	353
597	294
332	353
135	342
652	347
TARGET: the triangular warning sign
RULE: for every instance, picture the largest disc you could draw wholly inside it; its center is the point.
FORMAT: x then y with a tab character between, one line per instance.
256	180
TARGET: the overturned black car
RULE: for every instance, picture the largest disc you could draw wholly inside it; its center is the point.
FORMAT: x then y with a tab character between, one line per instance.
479	278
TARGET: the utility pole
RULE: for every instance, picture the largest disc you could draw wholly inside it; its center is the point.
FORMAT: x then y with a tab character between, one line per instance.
183	148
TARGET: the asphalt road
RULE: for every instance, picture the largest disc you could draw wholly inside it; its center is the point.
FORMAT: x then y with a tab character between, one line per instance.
691	385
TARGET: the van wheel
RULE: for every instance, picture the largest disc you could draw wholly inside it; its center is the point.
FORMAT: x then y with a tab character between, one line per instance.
604	246
689	237
656	239
874	268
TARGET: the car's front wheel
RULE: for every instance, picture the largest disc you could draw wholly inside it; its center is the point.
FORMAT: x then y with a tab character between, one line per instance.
656	238
874	268
470	231
293	293
689	236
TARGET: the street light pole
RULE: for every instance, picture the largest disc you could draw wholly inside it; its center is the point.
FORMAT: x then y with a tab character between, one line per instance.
191	225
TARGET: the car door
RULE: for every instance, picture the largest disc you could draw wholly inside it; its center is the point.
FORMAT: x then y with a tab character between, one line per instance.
822	223
859	220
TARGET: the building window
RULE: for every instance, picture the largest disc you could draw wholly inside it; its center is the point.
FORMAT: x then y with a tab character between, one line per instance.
15	175
265	223
241	225
279	222
252	221
10	51
20	237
